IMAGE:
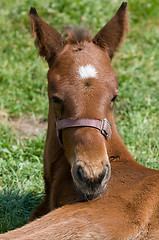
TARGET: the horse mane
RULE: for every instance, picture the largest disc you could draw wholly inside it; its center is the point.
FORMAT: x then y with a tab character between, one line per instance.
76	35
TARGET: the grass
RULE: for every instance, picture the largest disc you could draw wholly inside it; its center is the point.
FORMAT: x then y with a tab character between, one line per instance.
23	91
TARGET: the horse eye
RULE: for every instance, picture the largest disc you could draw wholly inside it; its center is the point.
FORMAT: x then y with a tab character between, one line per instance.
56	100
114	98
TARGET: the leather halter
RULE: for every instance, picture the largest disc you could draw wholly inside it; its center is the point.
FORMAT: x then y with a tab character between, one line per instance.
102	125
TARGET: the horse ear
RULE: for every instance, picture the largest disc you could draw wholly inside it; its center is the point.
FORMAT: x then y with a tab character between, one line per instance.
112	34
47	39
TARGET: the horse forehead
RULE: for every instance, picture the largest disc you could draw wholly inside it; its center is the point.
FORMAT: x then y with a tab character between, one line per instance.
84	62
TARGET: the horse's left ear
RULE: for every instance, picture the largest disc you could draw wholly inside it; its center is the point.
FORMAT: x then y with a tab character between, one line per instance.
47	39
112	34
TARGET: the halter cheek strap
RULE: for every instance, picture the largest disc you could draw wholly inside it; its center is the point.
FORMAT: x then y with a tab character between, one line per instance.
102	125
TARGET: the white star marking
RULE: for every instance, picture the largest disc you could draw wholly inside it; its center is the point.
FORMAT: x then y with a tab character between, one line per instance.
87	71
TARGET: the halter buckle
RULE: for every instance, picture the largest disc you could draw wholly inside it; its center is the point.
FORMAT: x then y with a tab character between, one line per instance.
103	128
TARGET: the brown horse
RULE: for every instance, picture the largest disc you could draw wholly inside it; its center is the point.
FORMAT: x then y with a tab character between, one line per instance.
82	141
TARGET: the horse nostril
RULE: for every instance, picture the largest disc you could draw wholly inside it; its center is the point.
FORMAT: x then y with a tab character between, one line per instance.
80	175
105	174
102	175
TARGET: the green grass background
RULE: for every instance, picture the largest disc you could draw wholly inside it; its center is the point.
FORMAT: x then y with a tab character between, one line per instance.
23	90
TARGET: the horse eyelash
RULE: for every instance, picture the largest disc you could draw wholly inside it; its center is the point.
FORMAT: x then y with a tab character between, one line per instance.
56	100
115	97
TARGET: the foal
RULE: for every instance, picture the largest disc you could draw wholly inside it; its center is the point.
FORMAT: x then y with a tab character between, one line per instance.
82	88
81	144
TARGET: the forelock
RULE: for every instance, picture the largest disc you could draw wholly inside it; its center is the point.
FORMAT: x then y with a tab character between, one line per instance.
77	35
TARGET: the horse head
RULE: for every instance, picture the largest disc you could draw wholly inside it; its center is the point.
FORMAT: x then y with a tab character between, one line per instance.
82	88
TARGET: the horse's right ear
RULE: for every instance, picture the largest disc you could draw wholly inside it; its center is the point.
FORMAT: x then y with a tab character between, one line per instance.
47	39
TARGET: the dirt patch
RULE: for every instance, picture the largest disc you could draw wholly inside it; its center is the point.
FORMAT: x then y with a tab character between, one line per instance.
24	126
29	126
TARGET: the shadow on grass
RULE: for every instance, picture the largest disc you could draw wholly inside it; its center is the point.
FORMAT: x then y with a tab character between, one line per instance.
15	208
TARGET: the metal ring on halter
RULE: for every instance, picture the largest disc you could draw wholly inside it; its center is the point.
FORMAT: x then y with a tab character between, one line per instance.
103	128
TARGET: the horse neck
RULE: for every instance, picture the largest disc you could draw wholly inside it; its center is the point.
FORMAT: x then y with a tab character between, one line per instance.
116	147
53	149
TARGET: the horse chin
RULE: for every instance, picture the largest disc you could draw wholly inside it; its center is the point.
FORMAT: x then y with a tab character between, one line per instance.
86	195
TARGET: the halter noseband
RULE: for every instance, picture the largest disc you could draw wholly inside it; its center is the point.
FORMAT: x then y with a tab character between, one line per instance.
102	125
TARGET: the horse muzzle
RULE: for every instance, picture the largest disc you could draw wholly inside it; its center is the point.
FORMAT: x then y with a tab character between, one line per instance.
89	186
